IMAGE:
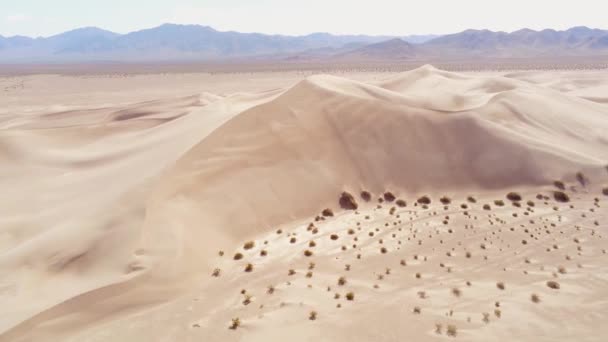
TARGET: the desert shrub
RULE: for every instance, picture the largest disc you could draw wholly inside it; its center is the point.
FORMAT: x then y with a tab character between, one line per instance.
327	212
312	244
417	310
383	250
216	272
308	253
456	292
486	207
471	199
270	289
451	330
312	315
291	272
580	177
388	196
553	284
500	285
350	296
292	240
424	200
497	313
535	298
348	202
438	328
238	256
561	196
263	252
333	236
530	203
366	196
401	203
445	200
514	196
341	281
418	275
468	254
560	185
605	191
499	203
236	322
249	268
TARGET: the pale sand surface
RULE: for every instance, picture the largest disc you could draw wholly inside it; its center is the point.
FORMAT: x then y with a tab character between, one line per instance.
119	192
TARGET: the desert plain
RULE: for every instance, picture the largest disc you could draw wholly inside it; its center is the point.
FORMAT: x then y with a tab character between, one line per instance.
294	205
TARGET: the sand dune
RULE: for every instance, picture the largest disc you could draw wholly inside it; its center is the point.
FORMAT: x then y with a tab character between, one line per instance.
114	218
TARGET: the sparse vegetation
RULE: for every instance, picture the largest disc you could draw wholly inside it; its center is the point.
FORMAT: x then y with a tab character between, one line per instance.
451	330
560	185
341	281
500	285
535	298
514	197
417	310
238	256
308	253
561	196
553	284
249	245
236	322
249	268
348	202
424	200
401	203
350	296
312	315
445	200
216	272
327	212
389	197
366	196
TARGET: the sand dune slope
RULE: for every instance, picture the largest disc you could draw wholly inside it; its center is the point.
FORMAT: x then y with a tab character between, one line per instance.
109	212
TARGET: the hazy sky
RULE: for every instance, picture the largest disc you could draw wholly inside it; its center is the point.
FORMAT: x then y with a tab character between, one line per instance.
390	17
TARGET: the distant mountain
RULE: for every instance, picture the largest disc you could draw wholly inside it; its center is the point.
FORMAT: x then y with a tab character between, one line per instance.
523	43
167	42
386	50
171	42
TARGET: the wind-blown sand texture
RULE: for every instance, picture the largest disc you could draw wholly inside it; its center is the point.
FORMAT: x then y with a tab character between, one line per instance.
189	211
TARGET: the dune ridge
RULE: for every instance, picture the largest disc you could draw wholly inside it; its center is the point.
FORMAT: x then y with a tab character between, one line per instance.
150	193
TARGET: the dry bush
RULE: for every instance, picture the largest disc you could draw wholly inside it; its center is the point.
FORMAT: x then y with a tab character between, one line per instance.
580	177
292	240
486	317
561	196
486	207
422	294
451	330
249	245
497	313
535	298
312	315
216	272
383	250
350	296
553	284
438	328
468	254
456	292
471	199
560	185
605	191
249	268
417	310
270	289
500	285
333	237
418	276
348	202
530	203
247	299
424	200
514	196
327	212
238	256
445	200
366	196
308	253
499	203
312	244
236	322
341	281
401	203
291	272
388	196
561	270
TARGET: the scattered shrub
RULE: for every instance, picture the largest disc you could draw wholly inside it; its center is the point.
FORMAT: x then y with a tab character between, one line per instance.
486	207
561	196
249	268
456	292
236	322
499	203
327	212
401	203
238	256
500	285
514	196
535	298
216	272
424	200
350	296
471	199
560	185
341	281
333	236
249	245
445	200
417	310
553	284
348	202
451	330
366	196
580	177
312	315
308	253
605	191
389	197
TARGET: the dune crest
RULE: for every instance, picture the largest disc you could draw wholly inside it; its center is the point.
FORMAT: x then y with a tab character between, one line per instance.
189	177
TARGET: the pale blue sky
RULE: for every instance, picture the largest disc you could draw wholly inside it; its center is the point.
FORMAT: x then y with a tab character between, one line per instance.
390	17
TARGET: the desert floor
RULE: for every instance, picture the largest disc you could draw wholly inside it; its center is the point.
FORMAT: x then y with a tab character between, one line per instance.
269	206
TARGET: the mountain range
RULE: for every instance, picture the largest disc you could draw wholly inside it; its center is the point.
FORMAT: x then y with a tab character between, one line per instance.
172	42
